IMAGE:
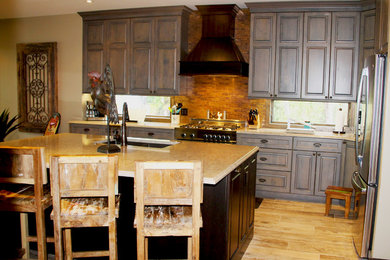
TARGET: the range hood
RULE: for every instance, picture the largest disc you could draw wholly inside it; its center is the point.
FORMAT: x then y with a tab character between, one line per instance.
216	53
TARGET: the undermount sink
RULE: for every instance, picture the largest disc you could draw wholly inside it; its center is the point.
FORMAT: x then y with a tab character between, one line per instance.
145	142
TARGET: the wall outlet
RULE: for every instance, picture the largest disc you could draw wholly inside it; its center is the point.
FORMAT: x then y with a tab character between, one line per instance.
184	111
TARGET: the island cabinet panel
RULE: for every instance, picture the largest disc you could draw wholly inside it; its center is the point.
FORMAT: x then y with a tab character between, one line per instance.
262	58
345	53
288	55
316	55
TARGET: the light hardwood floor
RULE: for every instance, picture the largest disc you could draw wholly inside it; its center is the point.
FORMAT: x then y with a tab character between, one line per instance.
299	230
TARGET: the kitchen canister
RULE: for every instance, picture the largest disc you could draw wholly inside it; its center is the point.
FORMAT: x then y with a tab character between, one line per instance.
175	119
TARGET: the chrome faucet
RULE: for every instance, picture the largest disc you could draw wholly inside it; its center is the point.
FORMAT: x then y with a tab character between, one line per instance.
125	118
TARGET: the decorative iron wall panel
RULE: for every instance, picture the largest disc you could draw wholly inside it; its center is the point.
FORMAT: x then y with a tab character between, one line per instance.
37	84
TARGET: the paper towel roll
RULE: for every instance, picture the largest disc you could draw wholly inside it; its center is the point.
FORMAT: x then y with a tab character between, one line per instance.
339	120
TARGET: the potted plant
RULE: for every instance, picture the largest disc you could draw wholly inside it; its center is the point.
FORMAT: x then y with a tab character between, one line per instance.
7	125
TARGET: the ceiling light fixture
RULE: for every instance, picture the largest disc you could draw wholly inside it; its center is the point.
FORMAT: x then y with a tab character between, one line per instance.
89	1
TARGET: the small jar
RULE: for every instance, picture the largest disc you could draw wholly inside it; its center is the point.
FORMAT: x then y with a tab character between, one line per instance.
307	125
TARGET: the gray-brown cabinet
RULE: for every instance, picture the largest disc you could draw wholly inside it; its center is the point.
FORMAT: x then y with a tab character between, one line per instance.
310	52
295	167
381	27
143	47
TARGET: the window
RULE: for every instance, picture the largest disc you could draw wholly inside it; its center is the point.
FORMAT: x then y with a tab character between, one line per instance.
140	106
321	113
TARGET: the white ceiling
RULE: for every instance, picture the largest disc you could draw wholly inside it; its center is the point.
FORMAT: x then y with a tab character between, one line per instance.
31	8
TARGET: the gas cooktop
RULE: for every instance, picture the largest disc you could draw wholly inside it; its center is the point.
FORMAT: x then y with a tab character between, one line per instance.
209	130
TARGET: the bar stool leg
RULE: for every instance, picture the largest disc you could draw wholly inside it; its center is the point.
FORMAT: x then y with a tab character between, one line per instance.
41	233
189	248
347	206
327	206
68	243
24	234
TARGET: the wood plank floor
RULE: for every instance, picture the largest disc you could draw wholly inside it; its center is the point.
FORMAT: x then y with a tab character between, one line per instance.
299	230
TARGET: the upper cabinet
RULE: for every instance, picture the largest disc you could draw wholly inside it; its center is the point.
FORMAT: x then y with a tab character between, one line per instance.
306	50
382	13
142	46
155	48
344	56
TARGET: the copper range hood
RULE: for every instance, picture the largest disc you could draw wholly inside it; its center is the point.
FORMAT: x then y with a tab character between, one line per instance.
216	53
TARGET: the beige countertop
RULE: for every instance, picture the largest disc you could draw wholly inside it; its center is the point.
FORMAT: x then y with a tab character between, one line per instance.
218	159
316	134
128	124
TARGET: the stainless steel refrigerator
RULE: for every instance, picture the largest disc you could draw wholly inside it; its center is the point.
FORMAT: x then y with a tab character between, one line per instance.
368	144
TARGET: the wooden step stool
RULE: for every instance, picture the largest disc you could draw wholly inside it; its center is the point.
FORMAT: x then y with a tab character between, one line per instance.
341	193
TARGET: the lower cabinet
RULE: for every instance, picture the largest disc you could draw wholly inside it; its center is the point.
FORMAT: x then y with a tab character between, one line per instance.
313	172
291	167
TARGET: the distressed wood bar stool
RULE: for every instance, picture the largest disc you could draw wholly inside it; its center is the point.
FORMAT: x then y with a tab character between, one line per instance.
168	195
84	192
24	189
341	193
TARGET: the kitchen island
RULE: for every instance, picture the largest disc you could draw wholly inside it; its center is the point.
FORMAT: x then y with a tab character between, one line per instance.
229	193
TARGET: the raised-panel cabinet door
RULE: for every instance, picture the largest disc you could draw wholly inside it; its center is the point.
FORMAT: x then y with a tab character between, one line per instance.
344	62
288	55
117	42
141	57
262	55
316	55
381	27
327	171
303	172
93	41
167	52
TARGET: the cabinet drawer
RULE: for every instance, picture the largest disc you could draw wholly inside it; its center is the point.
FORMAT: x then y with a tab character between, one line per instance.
273	159
266	141
150	133
318	145
88	129
278	181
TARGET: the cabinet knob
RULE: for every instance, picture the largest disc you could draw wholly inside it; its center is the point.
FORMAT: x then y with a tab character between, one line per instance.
326	96
264	141
317	145
330	97
275	95
319	154
263	159
314	154
150	134
262	180
270	95
86	129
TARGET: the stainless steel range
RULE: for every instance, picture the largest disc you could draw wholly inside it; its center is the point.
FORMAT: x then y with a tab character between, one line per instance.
209	130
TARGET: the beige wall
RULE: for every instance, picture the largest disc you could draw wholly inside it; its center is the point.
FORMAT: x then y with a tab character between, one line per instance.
381	240
66	30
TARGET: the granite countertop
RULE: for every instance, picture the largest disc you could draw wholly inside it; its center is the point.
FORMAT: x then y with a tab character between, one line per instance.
218	159
282	132
128	124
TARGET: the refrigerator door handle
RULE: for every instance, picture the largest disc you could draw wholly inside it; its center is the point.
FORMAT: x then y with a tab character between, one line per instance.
359	157
362	185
